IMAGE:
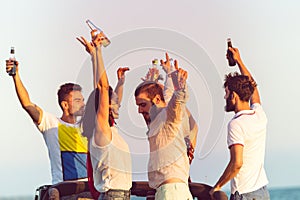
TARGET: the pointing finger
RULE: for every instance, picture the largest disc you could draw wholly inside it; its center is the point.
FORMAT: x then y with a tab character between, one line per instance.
176	64
167	57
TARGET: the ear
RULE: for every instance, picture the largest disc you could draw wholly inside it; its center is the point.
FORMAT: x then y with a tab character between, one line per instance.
235	96
64	105
156	100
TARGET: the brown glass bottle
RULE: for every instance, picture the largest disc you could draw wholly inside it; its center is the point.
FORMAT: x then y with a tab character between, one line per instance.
12	72
231	61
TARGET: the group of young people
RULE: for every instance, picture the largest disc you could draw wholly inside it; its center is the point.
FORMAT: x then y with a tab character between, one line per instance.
92	157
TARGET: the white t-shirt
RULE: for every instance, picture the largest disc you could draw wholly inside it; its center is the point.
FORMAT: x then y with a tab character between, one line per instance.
67	148
248	128
111	164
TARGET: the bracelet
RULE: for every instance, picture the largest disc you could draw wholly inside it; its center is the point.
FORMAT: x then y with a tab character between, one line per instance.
253	83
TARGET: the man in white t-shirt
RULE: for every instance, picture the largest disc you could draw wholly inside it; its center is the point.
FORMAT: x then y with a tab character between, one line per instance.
246	137
67	148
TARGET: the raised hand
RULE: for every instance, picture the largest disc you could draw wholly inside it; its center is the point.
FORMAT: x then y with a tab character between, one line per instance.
121	73
235	53
10	64
182	76
99	39
167	65
89	46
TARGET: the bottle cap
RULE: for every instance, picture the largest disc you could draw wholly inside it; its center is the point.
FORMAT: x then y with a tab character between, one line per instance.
155	62
12	50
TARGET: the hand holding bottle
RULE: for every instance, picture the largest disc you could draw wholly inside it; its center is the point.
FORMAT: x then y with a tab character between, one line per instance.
97	34
12	67
229	55
98	39
235	55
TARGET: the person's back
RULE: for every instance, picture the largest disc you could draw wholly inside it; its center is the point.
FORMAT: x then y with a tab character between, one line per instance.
252	135
246	136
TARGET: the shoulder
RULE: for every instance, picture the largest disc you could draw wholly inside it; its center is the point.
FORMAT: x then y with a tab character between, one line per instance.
259	111
256	106
48	121
233	123
235	133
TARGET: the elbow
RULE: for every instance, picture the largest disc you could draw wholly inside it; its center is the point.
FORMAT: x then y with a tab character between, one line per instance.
238	165
26	107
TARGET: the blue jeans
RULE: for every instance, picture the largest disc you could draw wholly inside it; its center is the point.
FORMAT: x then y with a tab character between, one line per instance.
260	194
115	195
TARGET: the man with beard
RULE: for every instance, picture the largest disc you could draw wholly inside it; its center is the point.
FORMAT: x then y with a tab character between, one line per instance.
67	147
246	137
168	166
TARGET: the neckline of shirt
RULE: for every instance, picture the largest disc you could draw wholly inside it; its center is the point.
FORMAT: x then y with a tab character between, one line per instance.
243	112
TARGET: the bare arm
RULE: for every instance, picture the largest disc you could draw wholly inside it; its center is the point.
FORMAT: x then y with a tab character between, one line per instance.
91	49
33	110
243	69
103	133
233	167
120	85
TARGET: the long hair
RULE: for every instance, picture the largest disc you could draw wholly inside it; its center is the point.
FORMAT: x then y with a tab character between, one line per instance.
88	119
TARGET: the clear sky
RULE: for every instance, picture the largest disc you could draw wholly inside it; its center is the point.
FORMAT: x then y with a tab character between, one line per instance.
194	32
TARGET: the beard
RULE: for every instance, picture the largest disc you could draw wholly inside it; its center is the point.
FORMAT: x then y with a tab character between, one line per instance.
154	110
79	113
147	118
229	105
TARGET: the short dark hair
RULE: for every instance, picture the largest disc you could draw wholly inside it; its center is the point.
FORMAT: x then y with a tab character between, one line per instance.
65	90
151	89
242	85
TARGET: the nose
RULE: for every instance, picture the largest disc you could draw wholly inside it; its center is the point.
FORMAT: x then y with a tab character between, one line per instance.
140	110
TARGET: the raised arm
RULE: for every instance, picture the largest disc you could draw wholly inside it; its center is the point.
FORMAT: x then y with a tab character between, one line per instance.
33	110
243	69
103	133
102	128
120	85
91	49
191	136
177	103
168	68
193	130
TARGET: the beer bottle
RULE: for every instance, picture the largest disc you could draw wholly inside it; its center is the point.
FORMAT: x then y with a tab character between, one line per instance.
231	61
